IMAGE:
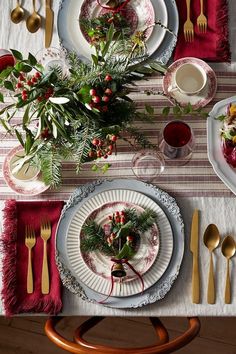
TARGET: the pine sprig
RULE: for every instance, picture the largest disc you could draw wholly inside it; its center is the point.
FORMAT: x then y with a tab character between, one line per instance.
50	163
94	238
146	220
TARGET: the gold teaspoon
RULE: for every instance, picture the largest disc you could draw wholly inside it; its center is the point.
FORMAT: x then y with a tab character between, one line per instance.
17	14
228	249
211	240
33	22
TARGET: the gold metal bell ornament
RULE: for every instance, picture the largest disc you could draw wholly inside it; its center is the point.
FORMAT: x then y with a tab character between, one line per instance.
118	270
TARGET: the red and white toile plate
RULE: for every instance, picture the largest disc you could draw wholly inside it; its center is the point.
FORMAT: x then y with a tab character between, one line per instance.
101	283
146	251
199	100
27	188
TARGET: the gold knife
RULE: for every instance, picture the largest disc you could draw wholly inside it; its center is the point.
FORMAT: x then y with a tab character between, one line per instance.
49	23
194	249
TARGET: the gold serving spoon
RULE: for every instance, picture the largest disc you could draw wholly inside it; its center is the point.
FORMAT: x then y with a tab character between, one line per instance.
33	22
211	240
18	13
228	249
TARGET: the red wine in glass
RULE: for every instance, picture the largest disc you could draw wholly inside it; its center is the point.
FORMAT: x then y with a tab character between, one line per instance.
177	140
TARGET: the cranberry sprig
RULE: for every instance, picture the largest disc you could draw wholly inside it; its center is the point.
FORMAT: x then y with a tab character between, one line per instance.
103	148
101	97
118	219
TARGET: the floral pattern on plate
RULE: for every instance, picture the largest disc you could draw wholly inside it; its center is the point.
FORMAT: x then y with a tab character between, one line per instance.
203	97
146	252
133	13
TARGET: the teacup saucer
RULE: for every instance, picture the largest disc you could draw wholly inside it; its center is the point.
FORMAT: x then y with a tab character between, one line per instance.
27	188
198	100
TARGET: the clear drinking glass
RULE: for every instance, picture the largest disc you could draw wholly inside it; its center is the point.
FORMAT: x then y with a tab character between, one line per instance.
147	164
177	142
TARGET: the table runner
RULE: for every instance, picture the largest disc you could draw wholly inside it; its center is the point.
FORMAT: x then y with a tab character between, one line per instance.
197	178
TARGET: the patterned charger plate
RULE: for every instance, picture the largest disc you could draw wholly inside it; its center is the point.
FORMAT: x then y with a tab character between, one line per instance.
102	284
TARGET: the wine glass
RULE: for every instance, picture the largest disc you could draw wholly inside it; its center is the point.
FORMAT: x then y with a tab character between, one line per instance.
177	142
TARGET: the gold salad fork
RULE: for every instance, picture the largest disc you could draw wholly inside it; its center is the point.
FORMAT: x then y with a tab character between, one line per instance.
30	242
45	235
188	25
202	20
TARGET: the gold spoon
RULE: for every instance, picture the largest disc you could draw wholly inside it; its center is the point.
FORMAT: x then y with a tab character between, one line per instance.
211	240
33	22
228	249
17	14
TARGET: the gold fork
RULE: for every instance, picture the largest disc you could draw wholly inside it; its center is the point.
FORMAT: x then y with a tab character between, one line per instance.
202	20
30	241
188	25
45	235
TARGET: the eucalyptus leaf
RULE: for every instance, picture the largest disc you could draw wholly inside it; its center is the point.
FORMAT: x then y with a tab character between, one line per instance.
8	85
32	60
19	137
125	229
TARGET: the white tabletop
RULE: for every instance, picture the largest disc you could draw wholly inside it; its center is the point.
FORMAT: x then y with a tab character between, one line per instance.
217	210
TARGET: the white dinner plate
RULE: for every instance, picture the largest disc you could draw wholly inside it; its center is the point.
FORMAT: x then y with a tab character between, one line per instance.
72	38
102	285
215	154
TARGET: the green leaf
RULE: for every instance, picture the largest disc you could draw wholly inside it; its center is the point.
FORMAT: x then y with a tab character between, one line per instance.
166	111
94	168
32	60
8	85
110	33
23	67
84	94
149	109
1	97
5	73
28	142
106	167
5	125
17	54
221	118
176	110
26	117
126	252
158	67
19	137
95	59
125	229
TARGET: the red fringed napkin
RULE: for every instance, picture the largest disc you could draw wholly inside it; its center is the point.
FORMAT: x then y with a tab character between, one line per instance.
214	44
16	216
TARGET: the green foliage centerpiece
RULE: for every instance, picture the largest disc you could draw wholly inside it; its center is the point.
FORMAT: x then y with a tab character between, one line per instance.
118	238
77	115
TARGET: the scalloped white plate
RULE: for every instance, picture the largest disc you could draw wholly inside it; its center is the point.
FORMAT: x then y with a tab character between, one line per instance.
100	284
224	171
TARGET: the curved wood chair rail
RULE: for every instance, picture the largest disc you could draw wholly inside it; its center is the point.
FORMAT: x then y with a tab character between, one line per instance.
80	346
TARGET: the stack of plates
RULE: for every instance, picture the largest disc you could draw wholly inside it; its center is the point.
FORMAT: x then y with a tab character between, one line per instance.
158	257
160	43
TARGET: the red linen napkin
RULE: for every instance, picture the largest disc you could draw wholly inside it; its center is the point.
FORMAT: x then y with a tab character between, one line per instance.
214	44
17	215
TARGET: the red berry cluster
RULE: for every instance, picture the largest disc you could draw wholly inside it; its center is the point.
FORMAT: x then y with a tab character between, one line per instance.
102	148
25	84
47	94
46	134
117	218
100	98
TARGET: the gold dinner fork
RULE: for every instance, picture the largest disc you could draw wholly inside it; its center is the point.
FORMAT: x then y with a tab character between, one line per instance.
30	242
202	20
45	235
188	25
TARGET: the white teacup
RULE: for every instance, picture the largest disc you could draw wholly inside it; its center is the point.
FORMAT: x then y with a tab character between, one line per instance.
190	79
21	169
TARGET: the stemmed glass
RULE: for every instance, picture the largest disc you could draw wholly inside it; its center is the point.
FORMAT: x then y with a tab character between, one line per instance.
177	142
